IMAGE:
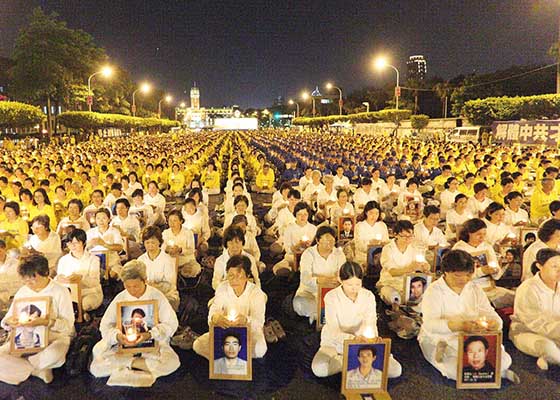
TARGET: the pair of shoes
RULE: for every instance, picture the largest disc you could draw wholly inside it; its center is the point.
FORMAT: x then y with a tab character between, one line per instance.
184	338
542	363
269	334
277	328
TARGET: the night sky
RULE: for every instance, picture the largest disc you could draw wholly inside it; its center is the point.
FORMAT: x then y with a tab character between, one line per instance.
250	52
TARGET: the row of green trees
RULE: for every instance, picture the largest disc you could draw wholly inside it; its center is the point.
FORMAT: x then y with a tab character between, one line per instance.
391	115
19	115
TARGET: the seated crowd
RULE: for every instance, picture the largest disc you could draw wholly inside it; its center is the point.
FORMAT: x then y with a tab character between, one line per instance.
137	215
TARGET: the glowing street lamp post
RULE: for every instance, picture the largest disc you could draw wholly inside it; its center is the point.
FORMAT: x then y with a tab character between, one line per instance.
381	63
106	72
291	102
144	88
330	86
168	100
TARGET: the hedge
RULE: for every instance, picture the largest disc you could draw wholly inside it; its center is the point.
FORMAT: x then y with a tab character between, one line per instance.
17	115
419	121
374	116
93	120
485	111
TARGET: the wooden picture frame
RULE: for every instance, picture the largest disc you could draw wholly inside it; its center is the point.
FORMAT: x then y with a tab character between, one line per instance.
342	233
324	285
425	279
130	321
472	375
524	230
27	308
412	208
351	363
482	257
75	290
104	267
238	364
90	218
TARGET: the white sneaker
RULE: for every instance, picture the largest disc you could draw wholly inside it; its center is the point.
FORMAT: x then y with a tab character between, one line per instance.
542	363
512	377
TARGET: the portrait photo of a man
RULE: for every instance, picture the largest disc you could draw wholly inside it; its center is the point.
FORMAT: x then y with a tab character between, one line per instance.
231	363
365	376
477	367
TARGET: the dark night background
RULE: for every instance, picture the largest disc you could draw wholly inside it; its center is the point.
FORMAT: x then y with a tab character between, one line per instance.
249	52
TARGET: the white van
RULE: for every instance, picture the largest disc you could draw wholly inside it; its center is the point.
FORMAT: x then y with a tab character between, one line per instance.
465	134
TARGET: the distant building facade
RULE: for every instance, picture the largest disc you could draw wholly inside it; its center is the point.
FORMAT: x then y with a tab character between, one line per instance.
417	67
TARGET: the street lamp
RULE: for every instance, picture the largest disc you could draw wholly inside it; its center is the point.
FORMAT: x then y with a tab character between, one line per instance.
329	86
381	63
144	88
106	71
366	103
291	102
305	96
167	99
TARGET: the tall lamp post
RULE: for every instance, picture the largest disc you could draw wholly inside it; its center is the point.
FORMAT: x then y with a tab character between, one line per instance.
291	102
305	96
330	86
144	88
381	63
366	103
106	72
167	99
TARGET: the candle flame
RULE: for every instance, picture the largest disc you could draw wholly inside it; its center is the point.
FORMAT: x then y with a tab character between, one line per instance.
232	315
369	332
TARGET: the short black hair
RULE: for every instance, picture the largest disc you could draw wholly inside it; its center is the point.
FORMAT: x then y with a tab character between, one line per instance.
231	333
34	264
78	234
242	262
349	270
476	338
233	232
367	348
471	226
457	261
548	229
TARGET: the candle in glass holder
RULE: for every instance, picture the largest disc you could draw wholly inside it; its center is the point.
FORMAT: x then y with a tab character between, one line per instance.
377	237
131	334
92	220
346	211
232	315
483	322
420	258
304	238
23	317
511	235
493	264
369	332
171	242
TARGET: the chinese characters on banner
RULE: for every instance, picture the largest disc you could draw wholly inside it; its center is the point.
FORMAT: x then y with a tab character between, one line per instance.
527	132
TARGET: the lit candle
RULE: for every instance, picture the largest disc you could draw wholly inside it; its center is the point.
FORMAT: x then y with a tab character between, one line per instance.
369	332
346	211
92	220
232	315
420	258
171	242
377	237
23	317
493	264
131	334
304	238
483	322
511	235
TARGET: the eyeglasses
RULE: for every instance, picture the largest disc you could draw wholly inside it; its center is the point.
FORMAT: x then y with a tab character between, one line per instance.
405	236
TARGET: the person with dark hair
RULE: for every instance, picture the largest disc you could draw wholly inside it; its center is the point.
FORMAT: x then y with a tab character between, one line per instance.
73	219
535	324
364	194
115	194
497	232
365	376
467	187
456	216
196	219
477	369
128	226
417	288
161	271
34	271
44	241
297	237
323	260
143	212
426	233
139	369
478	203
42	206
10	281
408	198
179	242
447	197
350	313
342	207
285	217
155	199
515	215
81	266
237	302
231	363
399	258
238	189
241	204
16	228
251	246
454	304
233	242
542	196
279	201
96	204
370	231
548	238
106	238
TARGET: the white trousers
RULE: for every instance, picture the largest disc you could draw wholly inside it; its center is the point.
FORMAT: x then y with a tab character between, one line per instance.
448	365
305	304
201	345
328	362
107	361
91	299
537	346
287	263
15	369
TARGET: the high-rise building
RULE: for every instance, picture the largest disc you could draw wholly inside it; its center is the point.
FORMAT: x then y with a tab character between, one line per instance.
417	68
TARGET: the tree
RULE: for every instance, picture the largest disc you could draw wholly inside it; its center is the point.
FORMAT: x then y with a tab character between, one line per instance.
49	58
443	91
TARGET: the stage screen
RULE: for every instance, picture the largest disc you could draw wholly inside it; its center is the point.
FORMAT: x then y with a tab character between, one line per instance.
236	124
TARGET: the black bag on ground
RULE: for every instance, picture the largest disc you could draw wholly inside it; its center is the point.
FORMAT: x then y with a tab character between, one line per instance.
79	353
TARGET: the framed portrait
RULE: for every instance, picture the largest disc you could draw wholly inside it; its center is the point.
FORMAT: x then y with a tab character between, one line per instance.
90	217
101	252
134	318
481	258
324	286
478	364
412	208
365	366
527	230
346	225
414	287
75	290
30	339
231	353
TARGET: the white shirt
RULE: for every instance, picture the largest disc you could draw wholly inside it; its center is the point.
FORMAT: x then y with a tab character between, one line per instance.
80	223
251	222
184	239
50	247
392	258
198	223
513	217
251	304
454	219
483	247
424	238
130	225
142	211
160	269
158	201
313	265
285	217
345	319
537	309
303	182
87	267
441	304
529	256
295	233
355	379
161	332
219	275
311	189
365	232
10	281
496	232
447	199
477	207
341	182
61	311
337	211
111	236
361	198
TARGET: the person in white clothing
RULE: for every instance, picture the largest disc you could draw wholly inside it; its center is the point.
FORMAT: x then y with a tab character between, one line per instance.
34	271
326	198
96	204
196	220
306	179
128	369
285	217
251	246
240	300
515	215
178	242
233	242
364	195
548	237
128	226
44	241
478	204
472	239
161	268
456	217
80	265
451	305
339	180
370	231
104	238
407	197
143	212
279	202
74	218
322	260
156	200
10	280
399	258
497	232
238	189
297	237
342	207
312	189
241	203
447	197
350	313
426	233
535	324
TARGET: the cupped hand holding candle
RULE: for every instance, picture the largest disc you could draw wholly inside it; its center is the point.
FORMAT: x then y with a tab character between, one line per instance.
131	334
